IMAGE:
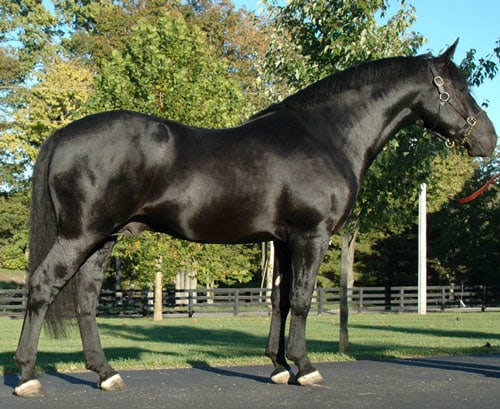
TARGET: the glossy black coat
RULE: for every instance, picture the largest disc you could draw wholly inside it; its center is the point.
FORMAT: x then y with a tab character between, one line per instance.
290	174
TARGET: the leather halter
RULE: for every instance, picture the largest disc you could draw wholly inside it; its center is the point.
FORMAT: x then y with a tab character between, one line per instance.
477	193
463	133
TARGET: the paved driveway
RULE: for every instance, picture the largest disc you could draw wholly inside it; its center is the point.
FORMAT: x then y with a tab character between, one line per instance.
466	382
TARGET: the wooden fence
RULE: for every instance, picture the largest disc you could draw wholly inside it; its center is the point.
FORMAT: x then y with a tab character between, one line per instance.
255	301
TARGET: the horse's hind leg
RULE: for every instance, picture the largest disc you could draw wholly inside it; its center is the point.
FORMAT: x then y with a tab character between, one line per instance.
280	307
90	278
52	274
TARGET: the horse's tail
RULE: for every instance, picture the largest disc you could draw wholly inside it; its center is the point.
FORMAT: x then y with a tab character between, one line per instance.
44	231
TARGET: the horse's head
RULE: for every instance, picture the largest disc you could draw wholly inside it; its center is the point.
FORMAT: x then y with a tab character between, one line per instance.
451	112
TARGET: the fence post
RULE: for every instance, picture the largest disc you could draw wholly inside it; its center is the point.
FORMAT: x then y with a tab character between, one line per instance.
401	299
483	298
236	302
443	298
145	302
190	303
360	303
319	295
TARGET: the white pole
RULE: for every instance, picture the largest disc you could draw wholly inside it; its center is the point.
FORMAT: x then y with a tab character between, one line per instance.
422	250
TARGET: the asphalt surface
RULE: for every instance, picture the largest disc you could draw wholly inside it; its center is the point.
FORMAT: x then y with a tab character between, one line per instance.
471	382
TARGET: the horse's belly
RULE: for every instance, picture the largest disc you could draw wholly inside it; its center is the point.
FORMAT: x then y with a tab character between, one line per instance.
215	222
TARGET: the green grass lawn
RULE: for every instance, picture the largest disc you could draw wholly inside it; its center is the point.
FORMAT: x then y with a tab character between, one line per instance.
198	341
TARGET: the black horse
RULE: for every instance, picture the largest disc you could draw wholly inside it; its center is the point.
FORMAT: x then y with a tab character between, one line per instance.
291	174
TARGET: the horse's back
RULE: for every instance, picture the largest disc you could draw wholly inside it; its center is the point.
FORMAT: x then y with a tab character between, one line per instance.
255	182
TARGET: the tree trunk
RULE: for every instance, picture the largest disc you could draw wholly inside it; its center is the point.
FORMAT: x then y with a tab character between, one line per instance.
158	301
270	273
346	282
267	267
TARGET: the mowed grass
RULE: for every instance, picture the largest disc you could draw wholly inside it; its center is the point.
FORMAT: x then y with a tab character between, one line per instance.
207	341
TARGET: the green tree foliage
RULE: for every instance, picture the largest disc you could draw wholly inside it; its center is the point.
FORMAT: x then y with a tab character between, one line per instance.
482	68
241	39
168	68
27	31
464	238
13	230
317	38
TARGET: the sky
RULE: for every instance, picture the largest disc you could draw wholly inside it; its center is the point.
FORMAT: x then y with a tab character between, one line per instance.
475	22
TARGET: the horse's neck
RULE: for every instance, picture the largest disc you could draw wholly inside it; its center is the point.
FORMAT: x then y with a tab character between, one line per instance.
372	117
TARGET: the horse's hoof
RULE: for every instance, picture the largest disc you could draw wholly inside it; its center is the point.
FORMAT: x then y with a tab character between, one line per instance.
30	389
281	377
113	383
313	378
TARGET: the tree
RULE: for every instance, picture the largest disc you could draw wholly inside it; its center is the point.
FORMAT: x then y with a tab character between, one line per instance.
168	68
240	38
61	90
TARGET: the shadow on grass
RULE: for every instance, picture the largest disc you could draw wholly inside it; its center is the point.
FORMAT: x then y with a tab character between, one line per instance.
217	343
225	342
49	361
455	333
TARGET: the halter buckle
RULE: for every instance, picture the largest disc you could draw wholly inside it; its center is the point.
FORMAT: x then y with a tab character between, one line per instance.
450	143
438	81
471	121
444	96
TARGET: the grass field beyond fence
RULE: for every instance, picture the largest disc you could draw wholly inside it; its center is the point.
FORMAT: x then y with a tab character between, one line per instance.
184	342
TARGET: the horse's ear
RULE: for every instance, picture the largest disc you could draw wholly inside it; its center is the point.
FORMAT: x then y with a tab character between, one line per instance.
447	56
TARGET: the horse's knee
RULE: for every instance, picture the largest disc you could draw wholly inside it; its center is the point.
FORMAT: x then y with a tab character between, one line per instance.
300	307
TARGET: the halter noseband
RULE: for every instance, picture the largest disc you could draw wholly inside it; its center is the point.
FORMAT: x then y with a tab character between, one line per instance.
444	97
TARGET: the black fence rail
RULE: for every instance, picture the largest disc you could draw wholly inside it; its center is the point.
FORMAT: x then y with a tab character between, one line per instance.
256	301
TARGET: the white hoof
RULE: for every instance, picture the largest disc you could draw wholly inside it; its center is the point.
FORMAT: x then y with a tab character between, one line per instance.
281	378
30	389
311	379
114	383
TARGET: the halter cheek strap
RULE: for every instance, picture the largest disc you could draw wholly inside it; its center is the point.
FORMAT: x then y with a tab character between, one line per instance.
444	98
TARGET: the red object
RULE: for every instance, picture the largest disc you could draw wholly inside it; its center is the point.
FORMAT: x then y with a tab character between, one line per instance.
477	192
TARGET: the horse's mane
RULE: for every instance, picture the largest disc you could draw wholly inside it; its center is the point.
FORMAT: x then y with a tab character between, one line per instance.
352	78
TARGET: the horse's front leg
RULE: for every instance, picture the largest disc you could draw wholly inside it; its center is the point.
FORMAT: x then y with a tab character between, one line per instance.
280	299
90	279
307	255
